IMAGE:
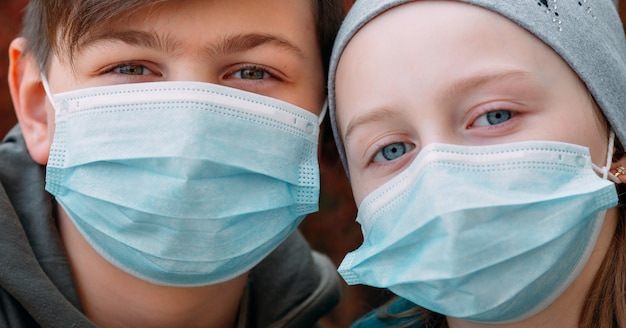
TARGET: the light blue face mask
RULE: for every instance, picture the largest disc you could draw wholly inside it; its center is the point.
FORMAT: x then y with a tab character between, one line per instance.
182	183
490	233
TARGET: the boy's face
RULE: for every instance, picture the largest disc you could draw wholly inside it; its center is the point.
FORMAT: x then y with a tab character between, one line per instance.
448	72
267	47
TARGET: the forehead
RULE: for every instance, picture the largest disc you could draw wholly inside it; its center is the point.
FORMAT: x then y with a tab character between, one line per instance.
430	26
89	22
433	41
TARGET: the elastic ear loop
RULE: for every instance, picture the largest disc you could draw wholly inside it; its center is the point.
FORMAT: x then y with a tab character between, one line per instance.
323	113
606	174
46	87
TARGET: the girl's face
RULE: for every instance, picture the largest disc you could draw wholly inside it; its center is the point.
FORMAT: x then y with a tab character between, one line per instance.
448	72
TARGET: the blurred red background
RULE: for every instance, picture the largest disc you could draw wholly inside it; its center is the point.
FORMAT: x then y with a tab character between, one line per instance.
10	15
332	230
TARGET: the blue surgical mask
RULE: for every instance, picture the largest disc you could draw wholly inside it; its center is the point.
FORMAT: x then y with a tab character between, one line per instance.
182	183
490	233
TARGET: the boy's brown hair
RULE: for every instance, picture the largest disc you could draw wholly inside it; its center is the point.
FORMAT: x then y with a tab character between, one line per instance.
46	22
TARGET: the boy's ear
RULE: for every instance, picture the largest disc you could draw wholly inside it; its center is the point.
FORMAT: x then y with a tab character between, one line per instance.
29	100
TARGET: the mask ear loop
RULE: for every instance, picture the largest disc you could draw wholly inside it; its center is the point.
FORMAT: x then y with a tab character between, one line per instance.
46	87
606	174
323	113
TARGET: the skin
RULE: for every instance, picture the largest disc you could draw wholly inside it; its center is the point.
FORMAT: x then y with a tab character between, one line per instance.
460	74
285	65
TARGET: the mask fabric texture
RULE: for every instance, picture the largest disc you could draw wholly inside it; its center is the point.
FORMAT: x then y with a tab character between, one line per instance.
485	233
182	183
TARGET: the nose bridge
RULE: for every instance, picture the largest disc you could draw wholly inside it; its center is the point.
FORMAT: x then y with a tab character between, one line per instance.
196	76
190	67
435	126
435	136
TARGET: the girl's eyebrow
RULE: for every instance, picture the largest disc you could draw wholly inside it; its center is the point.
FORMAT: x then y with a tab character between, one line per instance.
467	85
165	43
461	86
374	116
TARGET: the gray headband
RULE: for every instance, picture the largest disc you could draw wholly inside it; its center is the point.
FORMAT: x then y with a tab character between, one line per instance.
587	34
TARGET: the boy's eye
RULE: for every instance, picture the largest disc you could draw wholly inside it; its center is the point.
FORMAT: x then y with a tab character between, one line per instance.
392	151
251	73
131	69
493	118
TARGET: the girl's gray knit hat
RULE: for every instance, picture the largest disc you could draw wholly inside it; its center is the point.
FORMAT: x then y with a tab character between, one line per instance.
587	34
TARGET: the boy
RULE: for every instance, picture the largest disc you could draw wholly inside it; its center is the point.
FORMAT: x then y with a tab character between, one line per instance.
179	140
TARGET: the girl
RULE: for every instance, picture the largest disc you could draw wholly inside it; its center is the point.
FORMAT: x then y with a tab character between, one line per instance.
483	140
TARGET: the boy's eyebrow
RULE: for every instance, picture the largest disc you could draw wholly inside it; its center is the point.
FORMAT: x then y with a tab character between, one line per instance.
229	44
134	38
242	42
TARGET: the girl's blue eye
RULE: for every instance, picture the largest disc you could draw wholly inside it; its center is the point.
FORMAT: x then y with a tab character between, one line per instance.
392	151
131	69
494	118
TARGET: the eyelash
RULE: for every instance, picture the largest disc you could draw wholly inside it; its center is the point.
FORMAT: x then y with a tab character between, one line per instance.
474	122
485	120
409	147
378	148
111	70
403	146
252	67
